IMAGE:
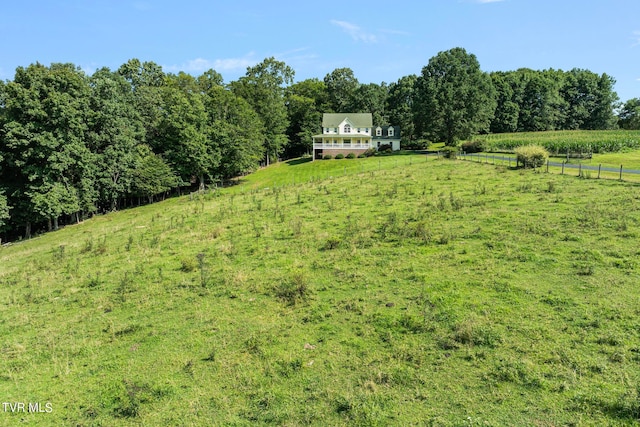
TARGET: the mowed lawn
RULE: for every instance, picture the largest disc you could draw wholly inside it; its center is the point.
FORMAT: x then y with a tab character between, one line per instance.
406	292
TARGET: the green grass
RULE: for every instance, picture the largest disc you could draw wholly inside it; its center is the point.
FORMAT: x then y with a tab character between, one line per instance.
607	141
431	293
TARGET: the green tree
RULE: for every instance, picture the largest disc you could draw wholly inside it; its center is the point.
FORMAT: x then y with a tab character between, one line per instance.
235	130
152	175
629	114
541	106
46	160
263	88
341	86
400	106
455	98
372	98
4	211
507	108
115	130
306	102
183	139
590	100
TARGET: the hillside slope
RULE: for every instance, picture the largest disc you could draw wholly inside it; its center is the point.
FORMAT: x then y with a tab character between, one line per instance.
443	292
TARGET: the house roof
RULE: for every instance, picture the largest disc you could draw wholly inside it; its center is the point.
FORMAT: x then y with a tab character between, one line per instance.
359	120
385	132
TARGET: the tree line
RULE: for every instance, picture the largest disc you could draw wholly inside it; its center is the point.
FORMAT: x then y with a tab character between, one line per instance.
72	144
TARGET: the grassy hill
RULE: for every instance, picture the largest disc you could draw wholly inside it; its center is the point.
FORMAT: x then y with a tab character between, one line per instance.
402	292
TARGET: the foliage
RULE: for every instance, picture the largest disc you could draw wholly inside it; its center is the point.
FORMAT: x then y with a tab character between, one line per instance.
629	115
533	156
450	152
454	98
384	148
351	156
474	146
263	88
327	157
339	156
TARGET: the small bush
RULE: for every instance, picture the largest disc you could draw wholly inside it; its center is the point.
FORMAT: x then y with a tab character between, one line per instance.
421	144
351	156
327	157
339	156
531	156
450	152
361	156
293	290
370	152
473	146
187	265
385	148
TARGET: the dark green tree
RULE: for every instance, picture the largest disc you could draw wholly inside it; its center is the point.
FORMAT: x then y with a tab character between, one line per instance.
46	166
235	131
507	111
152	175
400	106
263	88
372	98
183	139
306	102
629	114
455	98
341	86
115	130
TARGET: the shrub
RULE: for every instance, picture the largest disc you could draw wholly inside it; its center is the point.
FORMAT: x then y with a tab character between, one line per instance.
531	156
327	157
351	156
473	146
384	148
421	144
370	152
361	156
450	152
339	156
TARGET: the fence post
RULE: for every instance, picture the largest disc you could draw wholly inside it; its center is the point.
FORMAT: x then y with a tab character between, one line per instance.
599	168
562	173
547	165
620	172
580	169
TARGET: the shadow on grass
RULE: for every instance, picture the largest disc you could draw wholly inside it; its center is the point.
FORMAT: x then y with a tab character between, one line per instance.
298	161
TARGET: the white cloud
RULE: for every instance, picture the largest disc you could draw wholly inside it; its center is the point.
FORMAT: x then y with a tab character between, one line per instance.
356	33
200	65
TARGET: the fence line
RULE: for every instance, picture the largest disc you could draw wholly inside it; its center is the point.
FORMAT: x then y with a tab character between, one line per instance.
563	165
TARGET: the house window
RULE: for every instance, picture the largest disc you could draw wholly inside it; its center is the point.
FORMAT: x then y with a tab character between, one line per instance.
336	130
326	130
379	132
347	128
390	131
358	130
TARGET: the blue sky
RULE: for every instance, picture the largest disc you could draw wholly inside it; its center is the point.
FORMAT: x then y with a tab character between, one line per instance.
379	41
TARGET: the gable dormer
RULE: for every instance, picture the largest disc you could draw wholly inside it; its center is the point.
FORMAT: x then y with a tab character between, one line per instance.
378	131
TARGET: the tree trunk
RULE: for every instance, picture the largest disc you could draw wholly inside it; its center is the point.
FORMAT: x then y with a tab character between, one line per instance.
27	230
55	223
48	224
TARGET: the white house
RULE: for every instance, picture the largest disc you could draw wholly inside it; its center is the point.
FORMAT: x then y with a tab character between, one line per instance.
344	133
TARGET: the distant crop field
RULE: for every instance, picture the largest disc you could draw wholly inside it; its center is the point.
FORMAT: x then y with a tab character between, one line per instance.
608	141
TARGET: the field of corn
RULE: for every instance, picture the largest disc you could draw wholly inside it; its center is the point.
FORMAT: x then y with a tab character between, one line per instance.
559	142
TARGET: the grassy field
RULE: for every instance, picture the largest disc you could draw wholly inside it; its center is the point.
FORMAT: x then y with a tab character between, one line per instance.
607	141
433	292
